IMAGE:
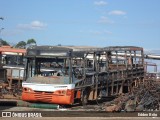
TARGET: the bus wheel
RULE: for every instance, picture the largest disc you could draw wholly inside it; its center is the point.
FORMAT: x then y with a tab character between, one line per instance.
84	99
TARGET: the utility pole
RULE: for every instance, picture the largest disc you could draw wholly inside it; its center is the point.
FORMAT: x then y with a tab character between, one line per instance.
0	34
1	43
1	28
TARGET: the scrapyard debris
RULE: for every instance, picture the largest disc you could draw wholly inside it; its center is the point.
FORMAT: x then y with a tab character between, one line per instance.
143	98
8	92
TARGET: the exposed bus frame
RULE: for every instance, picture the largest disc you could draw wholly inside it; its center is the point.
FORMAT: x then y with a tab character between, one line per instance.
115	70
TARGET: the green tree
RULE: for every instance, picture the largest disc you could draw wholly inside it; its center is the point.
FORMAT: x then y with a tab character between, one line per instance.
3	42
31	42
21	44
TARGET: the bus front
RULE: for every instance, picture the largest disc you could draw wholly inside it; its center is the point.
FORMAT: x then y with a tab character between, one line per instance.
48	75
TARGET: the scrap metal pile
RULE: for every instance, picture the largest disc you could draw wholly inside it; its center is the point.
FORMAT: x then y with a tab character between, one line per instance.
8	89
9	92
143	98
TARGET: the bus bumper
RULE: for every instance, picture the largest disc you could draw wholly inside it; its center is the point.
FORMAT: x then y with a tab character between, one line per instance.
58	97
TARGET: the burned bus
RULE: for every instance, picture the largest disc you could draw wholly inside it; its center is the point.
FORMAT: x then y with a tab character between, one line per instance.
69	74
11	71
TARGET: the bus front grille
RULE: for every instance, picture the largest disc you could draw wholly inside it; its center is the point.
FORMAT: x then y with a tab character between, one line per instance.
43	96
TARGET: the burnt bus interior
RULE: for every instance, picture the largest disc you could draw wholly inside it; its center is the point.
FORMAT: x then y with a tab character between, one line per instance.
46	63
13	60
96	72
112	71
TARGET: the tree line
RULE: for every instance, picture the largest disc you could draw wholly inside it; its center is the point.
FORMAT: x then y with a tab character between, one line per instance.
20	44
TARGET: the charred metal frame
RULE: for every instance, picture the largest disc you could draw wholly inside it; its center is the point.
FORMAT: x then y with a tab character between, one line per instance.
104	71
115	78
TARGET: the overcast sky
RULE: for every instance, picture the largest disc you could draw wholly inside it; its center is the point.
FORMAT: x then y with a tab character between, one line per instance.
82	22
